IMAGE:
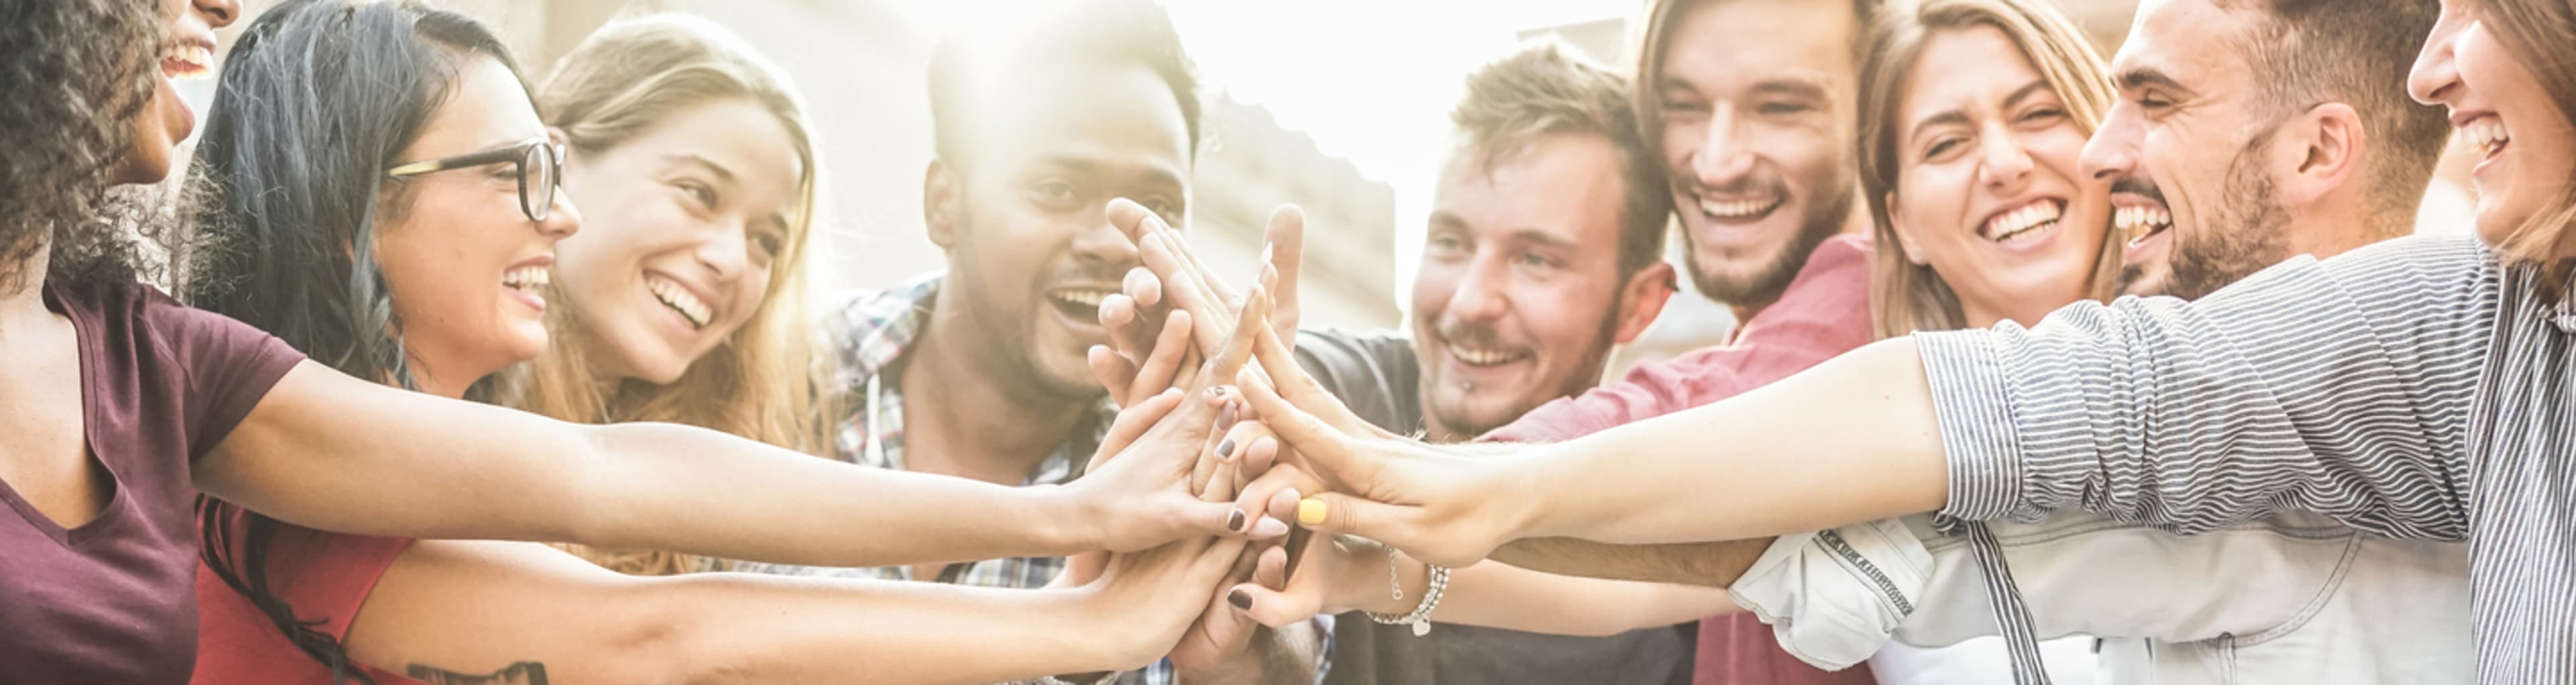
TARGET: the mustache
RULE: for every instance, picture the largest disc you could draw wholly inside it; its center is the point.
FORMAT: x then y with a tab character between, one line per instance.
1754	185
2137	186
1472	335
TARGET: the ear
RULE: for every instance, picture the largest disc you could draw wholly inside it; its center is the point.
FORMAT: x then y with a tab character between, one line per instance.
1904	235
1641	299
943	203
2320	154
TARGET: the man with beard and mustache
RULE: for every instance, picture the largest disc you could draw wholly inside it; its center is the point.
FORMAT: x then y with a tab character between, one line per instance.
979	371
1541	256
1749	106
2317	149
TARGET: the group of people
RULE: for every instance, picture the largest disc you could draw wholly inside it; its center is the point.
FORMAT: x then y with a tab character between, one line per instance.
424	368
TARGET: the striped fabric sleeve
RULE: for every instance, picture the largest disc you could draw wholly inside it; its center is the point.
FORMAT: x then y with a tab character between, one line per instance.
2340	387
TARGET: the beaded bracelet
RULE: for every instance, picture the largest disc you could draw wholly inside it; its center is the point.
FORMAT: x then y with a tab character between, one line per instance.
1420	619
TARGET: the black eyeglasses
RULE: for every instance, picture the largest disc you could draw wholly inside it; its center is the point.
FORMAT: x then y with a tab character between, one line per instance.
539	162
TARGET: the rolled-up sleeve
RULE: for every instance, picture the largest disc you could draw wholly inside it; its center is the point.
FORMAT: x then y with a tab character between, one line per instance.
2340	387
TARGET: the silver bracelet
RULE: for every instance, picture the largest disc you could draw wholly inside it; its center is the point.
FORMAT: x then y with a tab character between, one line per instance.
1420	619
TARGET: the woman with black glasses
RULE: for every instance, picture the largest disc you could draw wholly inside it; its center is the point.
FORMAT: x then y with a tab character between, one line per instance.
119	406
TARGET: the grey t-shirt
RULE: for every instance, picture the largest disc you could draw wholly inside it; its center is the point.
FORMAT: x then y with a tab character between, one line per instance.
1378	377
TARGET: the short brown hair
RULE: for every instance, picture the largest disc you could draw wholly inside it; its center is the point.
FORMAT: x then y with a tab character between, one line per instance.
1657	33
1544	90
2310	52
1906	297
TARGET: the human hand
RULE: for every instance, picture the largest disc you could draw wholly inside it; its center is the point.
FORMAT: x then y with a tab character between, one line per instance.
1174	280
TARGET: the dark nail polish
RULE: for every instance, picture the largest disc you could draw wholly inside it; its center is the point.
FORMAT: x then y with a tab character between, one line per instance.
1225	449
1240	600
1234	520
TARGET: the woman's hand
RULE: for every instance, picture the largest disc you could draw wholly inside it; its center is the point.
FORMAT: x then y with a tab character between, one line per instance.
1147	493
1437	505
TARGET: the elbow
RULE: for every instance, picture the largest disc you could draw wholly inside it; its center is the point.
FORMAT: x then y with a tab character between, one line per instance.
668	644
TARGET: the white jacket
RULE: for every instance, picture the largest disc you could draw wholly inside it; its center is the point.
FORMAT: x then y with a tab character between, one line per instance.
2294	599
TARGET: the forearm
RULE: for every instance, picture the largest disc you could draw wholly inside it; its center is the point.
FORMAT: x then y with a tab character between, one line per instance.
1709	564
769	629
1503	596
1851	440
837	514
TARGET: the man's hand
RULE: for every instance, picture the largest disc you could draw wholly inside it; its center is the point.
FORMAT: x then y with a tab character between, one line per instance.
1441	507
1174	280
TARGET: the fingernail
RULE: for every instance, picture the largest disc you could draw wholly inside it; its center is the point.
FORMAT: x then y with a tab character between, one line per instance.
1234	520
1310	512
1225	450
1216	392
1269	528
1240	599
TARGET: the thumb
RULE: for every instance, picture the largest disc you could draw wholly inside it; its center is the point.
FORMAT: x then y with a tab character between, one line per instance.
1334	513
1336	457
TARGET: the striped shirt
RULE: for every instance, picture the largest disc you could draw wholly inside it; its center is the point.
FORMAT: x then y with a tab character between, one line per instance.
2413	389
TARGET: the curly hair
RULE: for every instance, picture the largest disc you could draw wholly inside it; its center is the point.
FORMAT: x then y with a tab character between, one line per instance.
76	78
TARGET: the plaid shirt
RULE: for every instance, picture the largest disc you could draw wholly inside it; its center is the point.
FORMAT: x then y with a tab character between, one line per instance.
871	335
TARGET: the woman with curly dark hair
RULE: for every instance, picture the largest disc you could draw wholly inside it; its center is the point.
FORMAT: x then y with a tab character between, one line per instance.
118	406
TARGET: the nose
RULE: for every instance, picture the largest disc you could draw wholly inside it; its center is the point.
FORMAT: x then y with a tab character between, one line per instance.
2007	166
1102	245
1479	296
219	13
2113	151
562	221
727	252
2436	75
1723	157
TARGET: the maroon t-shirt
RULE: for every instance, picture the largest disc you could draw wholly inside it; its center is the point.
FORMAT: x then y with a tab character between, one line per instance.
114	600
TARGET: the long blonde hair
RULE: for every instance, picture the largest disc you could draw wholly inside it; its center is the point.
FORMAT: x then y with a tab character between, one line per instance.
1908	297
622	81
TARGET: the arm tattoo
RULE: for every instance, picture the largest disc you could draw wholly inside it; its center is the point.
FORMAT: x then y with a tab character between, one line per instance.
522	673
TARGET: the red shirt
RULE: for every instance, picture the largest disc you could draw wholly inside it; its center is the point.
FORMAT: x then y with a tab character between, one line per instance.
323	577
1824	313
108	601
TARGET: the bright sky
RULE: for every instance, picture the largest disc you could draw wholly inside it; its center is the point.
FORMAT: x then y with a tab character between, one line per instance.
1371	80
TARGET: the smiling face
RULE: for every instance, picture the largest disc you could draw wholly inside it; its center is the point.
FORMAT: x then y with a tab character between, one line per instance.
1987	171
686	219
1031	249
2526	147
1755	100
461	260
187	52
2183	148
1516	301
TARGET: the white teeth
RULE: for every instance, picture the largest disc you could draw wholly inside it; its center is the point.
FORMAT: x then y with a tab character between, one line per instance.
2485	134
2019	222
2138	222
1083	298
679	300
527	277
188	61
1740	209
1481	357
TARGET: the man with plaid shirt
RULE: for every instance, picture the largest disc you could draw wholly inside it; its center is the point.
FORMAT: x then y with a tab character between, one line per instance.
980	371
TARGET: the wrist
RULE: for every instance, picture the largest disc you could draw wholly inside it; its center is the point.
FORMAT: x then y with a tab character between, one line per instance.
1533	511
1062	520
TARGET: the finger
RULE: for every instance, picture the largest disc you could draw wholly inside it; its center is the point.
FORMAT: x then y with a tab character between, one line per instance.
1142	286
1239	343
1286	237
1170	349
1290	380
1334	455
1114	373
1333	513
1132	422
1258	500
1273	608
1129	217
1271	570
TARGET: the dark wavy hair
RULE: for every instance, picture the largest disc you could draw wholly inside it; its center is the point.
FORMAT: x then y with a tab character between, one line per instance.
76	73
316	100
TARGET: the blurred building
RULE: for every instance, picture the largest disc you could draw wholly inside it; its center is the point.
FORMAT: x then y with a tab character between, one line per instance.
861	64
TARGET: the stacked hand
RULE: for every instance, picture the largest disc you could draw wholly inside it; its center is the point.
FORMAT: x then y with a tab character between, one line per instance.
1334	473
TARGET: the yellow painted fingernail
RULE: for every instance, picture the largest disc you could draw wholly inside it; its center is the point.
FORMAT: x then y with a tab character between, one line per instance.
1310	512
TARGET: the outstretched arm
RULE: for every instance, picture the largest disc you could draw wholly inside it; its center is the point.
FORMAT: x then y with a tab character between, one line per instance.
327	451
1709	564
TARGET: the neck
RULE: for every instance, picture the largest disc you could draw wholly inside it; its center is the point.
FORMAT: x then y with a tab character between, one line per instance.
22	306
2341	224
961	419
449	385
1745	311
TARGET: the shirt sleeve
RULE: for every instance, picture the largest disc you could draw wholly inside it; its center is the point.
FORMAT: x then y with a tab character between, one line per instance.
229	365
2340	387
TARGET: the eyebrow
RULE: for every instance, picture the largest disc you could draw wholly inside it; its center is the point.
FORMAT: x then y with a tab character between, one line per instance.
2148	77
1805	88
1956	117
1087	166
721	173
